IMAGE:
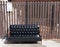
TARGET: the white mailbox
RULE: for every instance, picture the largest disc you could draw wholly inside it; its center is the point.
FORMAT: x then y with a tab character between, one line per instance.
9	6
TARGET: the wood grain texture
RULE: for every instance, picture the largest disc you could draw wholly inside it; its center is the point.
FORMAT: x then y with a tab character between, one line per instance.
33	0
42	13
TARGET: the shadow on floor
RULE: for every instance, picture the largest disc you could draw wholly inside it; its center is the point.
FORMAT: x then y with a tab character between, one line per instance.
8	42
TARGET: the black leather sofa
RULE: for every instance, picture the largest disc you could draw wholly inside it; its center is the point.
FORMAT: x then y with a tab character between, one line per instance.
24	33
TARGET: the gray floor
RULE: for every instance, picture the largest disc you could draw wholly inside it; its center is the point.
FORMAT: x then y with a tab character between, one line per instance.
2	44
45	43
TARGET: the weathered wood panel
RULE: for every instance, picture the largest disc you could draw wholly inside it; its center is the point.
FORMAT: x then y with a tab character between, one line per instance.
45	14
34	0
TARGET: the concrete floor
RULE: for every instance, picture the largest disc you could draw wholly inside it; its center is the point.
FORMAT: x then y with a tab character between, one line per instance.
45	43
2	44
51	43
21	45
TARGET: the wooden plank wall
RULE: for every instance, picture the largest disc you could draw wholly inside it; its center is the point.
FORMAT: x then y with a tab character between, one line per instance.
46	14
33	0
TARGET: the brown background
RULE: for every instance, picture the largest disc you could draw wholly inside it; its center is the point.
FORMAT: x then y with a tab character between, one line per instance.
34	0
41	14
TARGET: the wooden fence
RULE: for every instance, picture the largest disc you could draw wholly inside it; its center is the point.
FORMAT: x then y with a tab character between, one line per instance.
46	14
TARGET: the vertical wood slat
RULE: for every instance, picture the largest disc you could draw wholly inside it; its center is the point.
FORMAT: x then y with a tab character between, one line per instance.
49	8
28	12
38	13
32	13
41	19
44	23
50	18
40	4
44	17
59	20
55	21
23	12
3	9
5	18
1	20
45	20
16	4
